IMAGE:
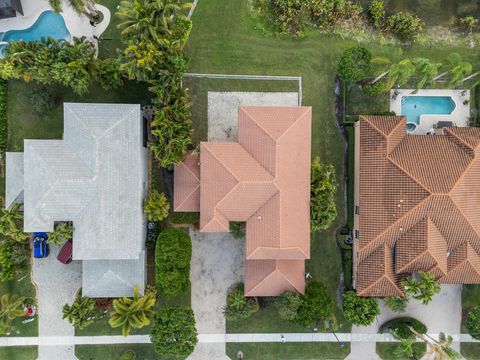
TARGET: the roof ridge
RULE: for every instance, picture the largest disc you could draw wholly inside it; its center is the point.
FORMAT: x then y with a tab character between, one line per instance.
458	138
189	170
389	158
380	279
367	117
188	196
463	216
242	108
300	116
275	270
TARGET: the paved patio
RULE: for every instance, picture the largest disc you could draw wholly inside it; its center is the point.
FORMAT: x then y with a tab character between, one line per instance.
217	263
57	285
443	314
223	110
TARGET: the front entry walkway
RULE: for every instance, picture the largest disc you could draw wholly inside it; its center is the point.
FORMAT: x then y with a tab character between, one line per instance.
217	263
57	285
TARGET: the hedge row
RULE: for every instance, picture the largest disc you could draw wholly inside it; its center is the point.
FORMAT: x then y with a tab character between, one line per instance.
3	116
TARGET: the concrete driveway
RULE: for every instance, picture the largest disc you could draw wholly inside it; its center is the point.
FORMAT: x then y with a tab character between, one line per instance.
443	314
217	263
57	285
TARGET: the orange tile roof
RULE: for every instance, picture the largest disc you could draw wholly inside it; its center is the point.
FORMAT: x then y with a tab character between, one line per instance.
263	180
186	177
419	199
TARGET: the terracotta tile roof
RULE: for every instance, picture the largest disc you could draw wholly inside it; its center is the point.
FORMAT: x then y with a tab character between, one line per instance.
419	199
263	180
186	197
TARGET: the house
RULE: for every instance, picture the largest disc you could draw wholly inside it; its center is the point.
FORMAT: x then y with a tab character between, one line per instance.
417	205
10	8
264	181
95	177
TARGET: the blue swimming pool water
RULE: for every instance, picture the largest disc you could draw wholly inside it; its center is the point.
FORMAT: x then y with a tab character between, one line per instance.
48	24
414	106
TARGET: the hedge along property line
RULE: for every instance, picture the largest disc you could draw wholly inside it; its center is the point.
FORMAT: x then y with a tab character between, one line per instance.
3	117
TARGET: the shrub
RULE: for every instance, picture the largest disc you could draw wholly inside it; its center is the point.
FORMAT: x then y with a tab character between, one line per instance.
238	306
396	303
326	13
354	65
3	116
42	101
172	260
404	25
316	306
376	11
400	327
156	206
128	355
323	210
62	233
287	305
11	223
468	23
173	332
14	257
289	15
374	89
185	218
473	322
359	310
237	229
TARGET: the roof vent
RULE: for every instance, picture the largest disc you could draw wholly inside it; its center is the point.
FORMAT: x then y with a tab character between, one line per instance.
259	217
448	254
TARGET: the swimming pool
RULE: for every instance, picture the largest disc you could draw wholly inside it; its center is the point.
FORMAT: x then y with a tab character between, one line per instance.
414	106
48	24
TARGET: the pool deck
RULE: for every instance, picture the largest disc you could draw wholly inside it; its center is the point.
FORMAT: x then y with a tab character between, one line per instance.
459	117
77	25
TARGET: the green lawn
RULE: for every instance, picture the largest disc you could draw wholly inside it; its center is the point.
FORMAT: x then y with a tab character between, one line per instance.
113	352
288	351
19	353
388	351
471	351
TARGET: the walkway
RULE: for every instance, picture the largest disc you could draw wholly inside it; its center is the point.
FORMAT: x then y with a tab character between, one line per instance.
449	322
57	285
214	339
217	263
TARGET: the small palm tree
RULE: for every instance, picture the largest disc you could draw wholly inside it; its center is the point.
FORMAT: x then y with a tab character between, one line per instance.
11	308
423	288
406	348
81	313
426	72
400	73
156	206
62	233
133	312
11	222
438	350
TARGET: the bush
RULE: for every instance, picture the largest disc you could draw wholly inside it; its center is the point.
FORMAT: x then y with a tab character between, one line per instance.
3	116
14	257
400	327
323	210
185	218
237	229
173	253
326	13
473	322
128	355
287	305
42	101
424	288
316	306
359	310
374	89
290	16
404	25
156	206
396	303
61	234
376	11
173	332
239	307
81	313
354	65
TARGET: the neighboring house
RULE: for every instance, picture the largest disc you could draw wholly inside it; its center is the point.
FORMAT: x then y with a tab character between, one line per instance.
263	180
10	8
96	178
417	205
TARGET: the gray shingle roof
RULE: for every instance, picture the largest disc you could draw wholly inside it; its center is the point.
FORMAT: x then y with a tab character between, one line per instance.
14	178
94	177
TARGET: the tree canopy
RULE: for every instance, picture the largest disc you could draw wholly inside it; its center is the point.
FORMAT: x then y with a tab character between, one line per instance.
173	332
473	322
354	65
156	206
316	306
323	210
239	307
359	310
424	288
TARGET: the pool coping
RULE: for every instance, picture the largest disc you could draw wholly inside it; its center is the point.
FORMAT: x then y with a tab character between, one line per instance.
77	25
459	117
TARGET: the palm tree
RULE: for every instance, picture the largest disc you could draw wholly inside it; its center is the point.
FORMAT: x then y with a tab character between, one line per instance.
400	73
382	64
459	73
62	233
11	222
438	350
423	288
81	313
11	308
406	348
133	312
426	71
156	206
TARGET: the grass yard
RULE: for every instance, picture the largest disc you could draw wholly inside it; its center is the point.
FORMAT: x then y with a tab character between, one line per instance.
288	351
388	351
113	352
471	351
19	353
